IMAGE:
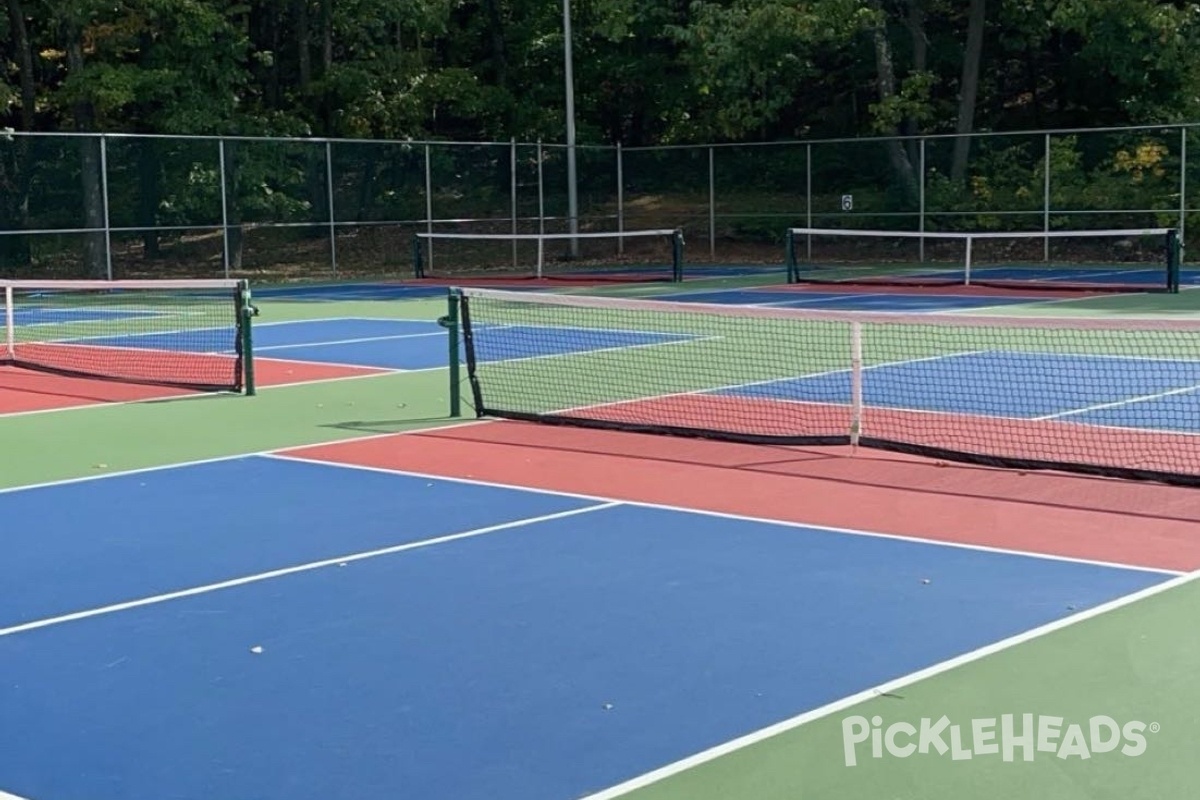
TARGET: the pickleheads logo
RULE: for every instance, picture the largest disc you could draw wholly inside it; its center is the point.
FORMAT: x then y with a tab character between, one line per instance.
1009	737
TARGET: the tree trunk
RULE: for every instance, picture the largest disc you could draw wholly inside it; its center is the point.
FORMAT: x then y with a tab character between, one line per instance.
233	220
326	60
24	54
15	252
886	82
95	257
149	195
1031	84
302	44
496	42
149	168
920	48
969	90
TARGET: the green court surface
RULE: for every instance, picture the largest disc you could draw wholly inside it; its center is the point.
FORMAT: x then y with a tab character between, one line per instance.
1136	662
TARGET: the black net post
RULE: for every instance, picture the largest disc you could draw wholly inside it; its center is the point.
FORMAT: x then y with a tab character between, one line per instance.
468	343
1174	252
789	256
246	311
418	264
451	323
677	256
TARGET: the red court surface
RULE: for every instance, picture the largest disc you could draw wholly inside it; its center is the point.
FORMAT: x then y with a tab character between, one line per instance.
25	391
1006	437
1140	524
971	290
582	279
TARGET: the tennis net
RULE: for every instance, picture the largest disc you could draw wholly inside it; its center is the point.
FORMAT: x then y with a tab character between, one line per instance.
633	256
1064	260
187	334
1118	398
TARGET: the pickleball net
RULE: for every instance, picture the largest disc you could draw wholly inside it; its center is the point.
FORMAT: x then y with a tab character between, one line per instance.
617	256
1118	398
1125	260
187	334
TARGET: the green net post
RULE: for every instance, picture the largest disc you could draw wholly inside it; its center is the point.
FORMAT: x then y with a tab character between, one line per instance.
246	312
1174	257
789	250
451	323
418	266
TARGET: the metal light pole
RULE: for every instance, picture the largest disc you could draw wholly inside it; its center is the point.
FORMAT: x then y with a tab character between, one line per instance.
572	196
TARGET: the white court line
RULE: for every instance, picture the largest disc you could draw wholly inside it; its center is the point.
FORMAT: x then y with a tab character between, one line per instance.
1098	356
169	332
283	455
489	326
717	391
591	351
310	363
6	796
105	317
94	405
226	354
889	687
831	297
308	567
1118	403
442	333
742	742
423	321
208	329
233	457
801	300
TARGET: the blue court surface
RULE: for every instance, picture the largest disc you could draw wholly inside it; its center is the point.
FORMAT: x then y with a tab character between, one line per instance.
1132	275
339	292
267	628
392	344
1155	394
51	315
844	301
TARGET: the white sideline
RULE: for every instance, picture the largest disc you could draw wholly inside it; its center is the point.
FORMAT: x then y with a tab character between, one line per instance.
307	567
289	454
890	687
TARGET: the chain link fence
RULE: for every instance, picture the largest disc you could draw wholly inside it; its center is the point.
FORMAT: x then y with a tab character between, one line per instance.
125	206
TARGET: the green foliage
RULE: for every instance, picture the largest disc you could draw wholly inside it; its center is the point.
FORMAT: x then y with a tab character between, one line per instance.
912	102
751	58
646	71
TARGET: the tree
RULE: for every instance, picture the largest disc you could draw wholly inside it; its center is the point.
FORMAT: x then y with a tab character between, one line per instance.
968	89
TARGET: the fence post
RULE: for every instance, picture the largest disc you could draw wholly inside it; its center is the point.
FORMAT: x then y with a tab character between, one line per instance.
712	204
541	189
921	201
329	199
620	198
428	209
104	201
512	179
1183	191
224	208
1046	203
808	199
